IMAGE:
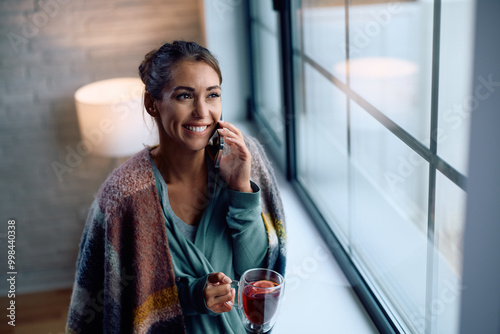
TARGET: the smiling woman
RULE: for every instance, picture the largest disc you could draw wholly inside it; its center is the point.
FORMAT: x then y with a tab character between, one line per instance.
189	109
168	231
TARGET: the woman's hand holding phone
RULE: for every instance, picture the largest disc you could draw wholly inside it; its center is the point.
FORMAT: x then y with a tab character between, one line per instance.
235	167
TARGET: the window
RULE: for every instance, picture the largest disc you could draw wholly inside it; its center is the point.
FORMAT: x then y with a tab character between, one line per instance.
380	111
267	89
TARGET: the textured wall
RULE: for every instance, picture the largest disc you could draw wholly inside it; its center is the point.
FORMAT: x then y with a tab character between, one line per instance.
48	49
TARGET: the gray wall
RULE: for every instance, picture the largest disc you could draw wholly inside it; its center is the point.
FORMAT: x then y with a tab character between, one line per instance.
226	36
48	49
480	309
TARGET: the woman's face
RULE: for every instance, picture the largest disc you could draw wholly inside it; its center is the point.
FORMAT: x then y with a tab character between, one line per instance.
191	105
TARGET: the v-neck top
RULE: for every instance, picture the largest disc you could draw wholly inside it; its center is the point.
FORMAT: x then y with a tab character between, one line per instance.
230	238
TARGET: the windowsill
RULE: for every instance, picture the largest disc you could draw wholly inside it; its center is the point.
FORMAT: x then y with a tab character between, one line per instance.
318	297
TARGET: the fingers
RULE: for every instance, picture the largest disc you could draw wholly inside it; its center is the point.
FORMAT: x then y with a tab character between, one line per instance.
231	127
219	297
228	306
230	132
218	278
234	138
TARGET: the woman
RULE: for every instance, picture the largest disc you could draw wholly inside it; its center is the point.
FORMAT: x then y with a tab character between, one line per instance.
168	230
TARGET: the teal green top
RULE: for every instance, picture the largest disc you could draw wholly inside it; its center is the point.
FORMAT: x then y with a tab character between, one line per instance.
230	238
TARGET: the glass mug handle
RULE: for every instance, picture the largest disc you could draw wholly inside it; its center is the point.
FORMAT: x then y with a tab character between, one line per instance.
236	285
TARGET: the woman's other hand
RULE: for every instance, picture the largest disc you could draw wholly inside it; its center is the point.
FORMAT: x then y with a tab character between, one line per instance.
219	296
235	167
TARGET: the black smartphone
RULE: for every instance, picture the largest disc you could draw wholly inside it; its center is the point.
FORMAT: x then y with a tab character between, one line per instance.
215	147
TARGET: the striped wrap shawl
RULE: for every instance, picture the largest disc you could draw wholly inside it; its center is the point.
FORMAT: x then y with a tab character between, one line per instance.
125	281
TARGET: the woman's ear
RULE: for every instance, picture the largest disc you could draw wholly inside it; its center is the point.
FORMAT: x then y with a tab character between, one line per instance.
149	104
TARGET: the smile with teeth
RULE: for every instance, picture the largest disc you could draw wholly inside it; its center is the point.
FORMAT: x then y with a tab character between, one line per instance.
196	128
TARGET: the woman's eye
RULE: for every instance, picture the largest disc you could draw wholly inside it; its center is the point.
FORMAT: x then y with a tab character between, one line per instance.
214	95
184	96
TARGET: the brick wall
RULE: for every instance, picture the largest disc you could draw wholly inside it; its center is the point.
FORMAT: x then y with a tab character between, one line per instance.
48	49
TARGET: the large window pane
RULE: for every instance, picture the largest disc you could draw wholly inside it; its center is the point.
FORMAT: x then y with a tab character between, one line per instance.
262	12
390	60
449	226
389	214
323	29
374	82
322	148
455	75
269	102
267	72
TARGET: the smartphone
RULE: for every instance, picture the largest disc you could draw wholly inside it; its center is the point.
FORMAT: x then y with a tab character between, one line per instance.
215	147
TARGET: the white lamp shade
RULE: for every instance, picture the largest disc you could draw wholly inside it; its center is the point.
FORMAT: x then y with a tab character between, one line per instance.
112	118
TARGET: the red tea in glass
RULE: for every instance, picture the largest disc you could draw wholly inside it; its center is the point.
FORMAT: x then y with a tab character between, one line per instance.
260	291
260	301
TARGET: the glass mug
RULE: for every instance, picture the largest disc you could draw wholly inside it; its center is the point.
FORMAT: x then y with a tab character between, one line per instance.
260	292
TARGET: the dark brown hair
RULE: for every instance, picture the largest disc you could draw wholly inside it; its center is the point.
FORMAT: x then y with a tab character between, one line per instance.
157	67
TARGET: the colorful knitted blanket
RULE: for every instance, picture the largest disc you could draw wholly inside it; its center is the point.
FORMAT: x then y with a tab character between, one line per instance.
125	281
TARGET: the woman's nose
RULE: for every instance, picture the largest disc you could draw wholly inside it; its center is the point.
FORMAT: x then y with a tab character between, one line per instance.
201	108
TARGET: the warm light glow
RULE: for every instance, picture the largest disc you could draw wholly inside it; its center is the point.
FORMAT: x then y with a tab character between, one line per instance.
377	67
112	119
